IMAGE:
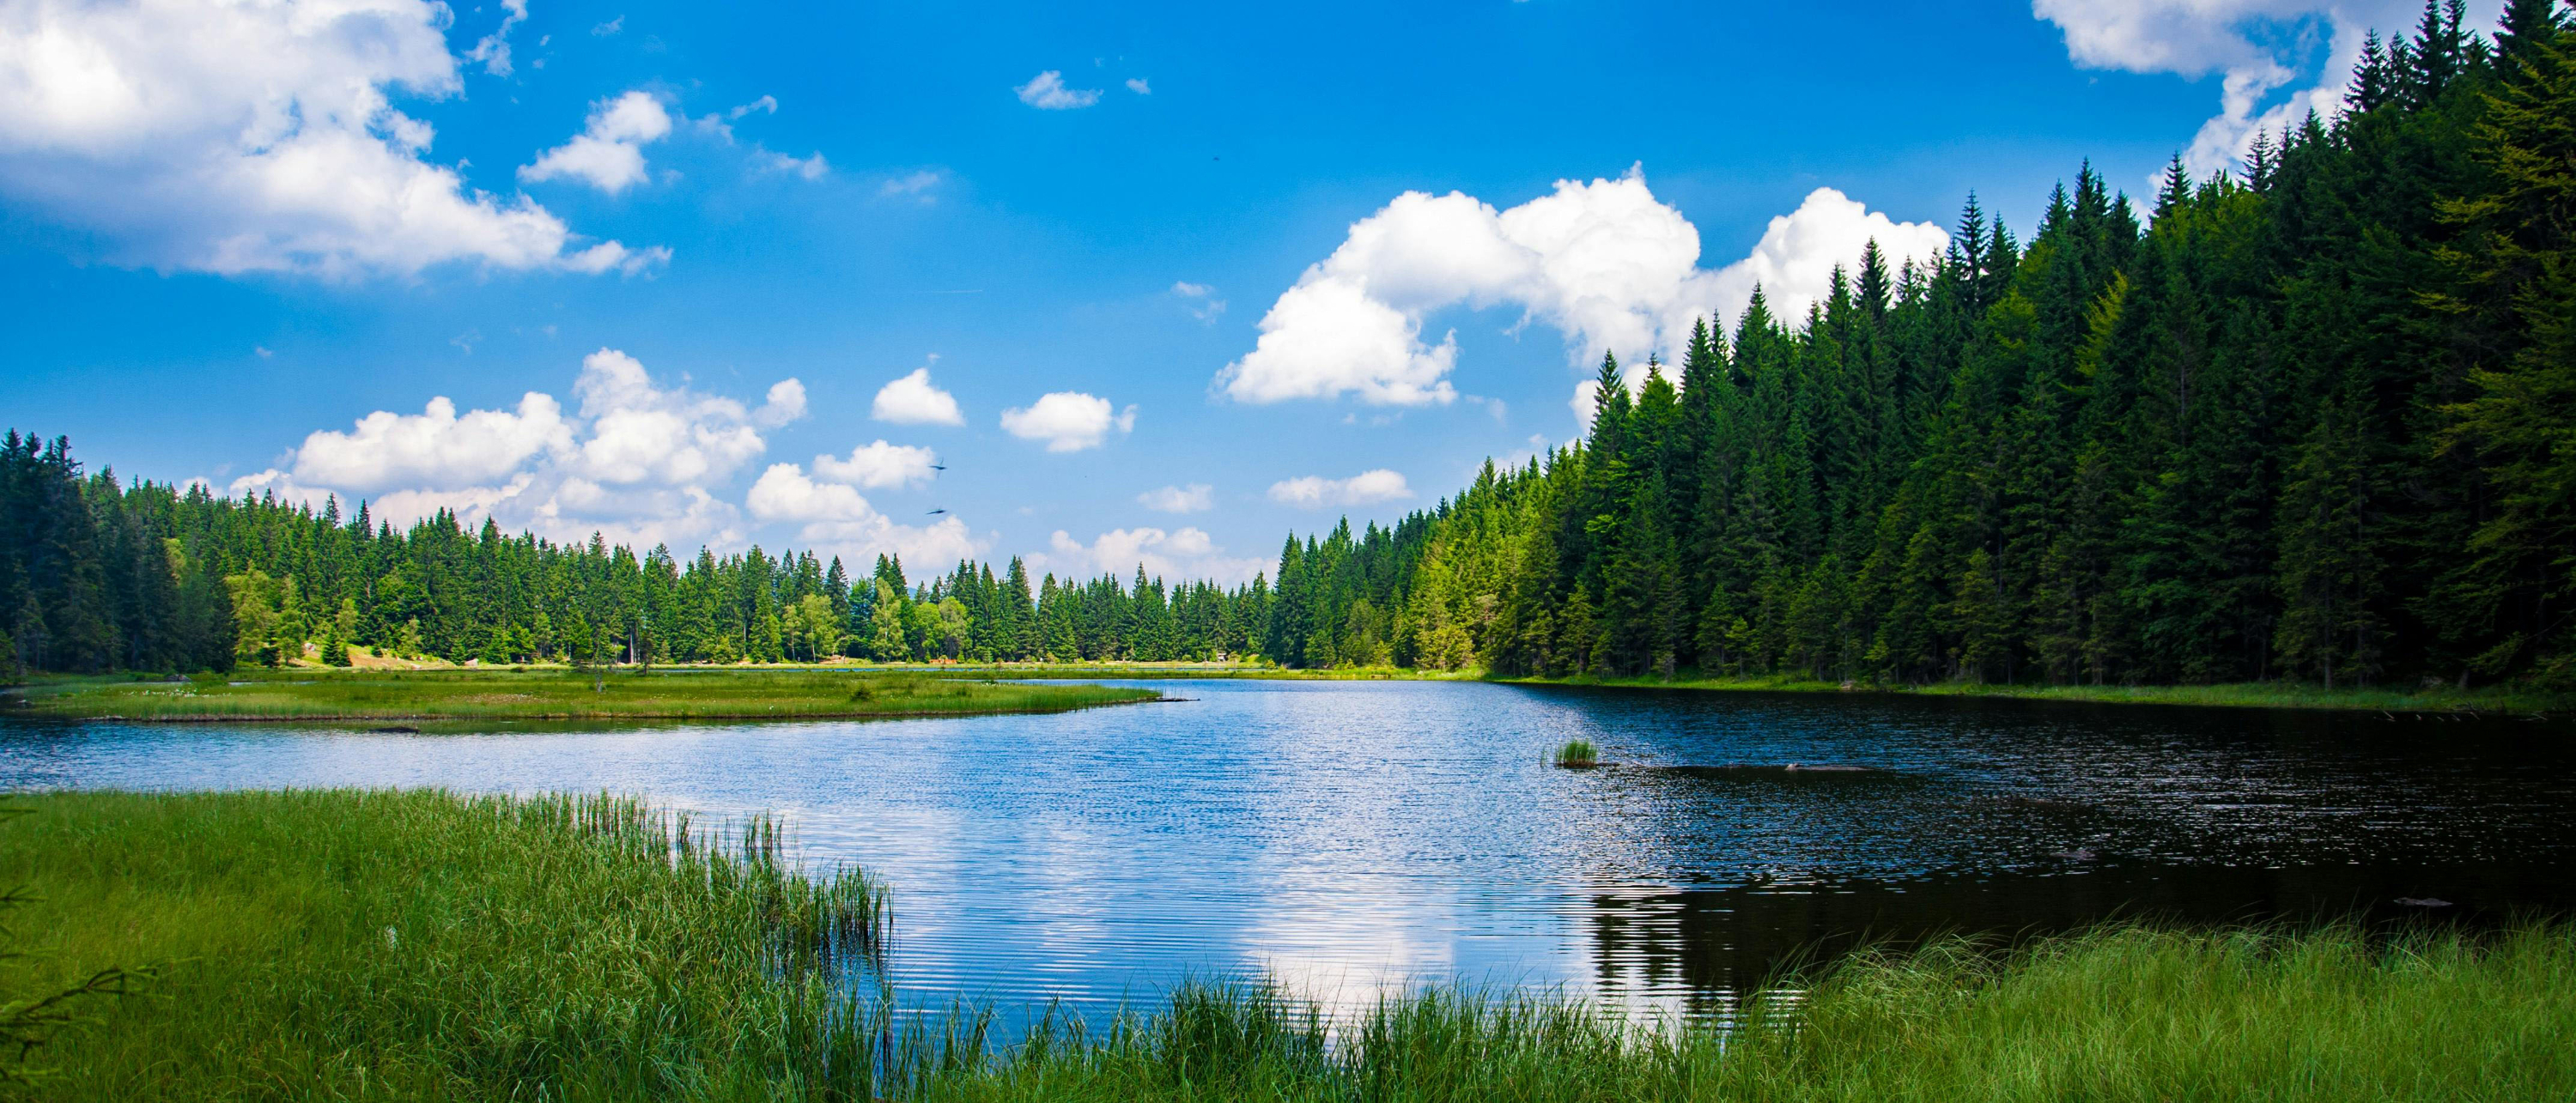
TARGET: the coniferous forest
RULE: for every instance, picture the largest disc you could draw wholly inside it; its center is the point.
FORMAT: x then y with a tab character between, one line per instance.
2315	420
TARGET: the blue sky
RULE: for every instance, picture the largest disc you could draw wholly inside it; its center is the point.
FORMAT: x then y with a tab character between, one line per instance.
229	233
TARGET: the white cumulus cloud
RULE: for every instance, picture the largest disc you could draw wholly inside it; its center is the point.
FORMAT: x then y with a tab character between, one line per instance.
636	460
1194	498
1794	262
434	449
1184	555
2258	46
1068	421
1603	262
1138	86
912	400
245	137
609	152
837	520
1047	92
1317	492
880	466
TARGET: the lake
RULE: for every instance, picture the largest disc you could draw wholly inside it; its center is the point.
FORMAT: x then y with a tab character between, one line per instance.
1350	837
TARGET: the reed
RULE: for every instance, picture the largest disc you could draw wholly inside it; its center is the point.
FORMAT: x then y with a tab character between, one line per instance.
2122	1013
1578	754
399	945
549	695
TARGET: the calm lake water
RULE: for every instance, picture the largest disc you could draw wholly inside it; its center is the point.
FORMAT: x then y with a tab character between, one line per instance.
1351	836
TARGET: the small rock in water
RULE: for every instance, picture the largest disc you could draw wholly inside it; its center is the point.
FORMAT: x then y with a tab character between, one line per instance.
2423	902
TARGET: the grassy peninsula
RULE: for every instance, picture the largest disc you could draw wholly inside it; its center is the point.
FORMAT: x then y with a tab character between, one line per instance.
421	945
546	694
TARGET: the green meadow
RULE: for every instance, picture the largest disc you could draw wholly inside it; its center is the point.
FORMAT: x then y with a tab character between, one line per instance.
546	694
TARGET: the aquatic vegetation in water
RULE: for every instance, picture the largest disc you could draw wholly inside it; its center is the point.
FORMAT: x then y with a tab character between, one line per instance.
1578	754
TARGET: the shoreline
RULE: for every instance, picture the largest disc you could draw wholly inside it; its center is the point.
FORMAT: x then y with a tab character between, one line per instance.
545	696
2484	701
2533	704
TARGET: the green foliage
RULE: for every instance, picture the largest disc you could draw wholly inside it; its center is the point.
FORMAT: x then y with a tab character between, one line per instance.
411	945
96	576
2314	423
1578	753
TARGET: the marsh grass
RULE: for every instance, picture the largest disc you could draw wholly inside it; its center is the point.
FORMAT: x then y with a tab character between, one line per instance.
551	695
419	945
1578	754
399	945
2124	1013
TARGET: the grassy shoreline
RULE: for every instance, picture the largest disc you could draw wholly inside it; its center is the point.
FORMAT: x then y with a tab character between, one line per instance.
417	945
2266	695
552	695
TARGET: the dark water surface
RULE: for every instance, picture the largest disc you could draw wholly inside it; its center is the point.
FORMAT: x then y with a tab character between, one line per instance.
1350	836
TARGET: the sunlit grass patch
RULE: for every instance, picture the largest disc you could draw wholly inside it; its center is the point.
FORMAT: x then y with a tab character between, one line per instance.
552	695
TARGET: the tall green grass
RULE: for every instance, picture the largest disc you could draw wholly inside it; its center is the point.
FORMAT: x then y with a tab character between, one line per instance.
420	945
550	695
2125	1013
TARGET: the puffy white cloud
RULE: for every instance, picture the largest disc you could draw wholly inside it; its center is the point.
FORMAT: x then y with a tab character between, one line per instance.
1194	498
1317	492
642	433
636	460
1188	554
247	137
836	520
880	466
1794	262
1068	421
434	449
609	152
1047	92
1603	262
911	400
785	403
1138	86
784	493
611	27
2256	44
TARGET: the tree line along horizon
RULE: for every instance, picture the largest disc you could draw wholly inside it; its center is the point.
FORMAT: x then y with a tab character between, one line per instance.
2314	420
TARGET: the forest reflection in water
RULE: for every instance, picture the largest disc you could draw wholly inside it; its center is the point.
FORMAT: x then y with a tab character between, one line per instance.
1353	838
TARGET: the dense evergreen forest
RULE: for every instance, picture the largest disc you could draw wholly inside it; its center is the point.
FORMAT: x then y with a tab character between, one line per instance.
2316	420
151	577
